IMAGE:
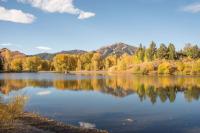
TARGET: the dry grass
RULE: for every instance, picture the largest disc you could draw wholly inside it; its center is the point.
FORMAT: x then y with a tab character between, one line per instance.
10	111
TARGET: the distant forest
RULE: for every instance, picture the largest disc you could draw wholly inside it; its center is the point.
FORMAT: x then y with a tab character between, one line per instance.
151	60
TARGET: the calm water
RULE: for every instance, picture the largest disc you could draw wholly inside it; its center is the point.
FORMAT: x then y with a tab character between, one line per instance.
117	103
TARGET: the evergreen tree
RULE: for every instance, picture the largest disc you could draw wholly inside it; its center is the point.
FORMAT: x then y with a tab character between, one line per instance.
191	51
171	52
140	53
151	52
162	52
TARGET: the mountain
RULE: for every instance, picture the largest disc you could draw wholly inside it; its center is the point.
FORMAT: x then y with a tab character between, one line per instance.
49	56
46	56
4	52
117	49
72	52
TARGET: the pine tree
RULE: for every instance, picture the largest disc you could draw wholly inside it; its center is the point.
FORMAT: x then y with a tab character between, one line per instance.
140	53
151	52
162	52
172	52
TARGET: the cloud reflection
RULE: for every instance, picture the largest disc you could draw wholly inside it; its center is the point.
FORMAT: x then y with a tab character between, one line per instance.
44	93
87	125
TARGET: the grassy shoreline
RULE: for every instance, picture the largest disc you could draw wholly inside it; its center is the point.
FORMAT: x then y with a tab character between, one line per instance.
34	123
13	119
154	73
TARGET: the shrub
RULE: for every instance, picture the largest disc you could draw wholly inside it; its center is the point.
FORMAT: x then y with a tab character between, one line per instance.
180	66
195	67
145	68
166	68
188	68
136	69
12	110
113	68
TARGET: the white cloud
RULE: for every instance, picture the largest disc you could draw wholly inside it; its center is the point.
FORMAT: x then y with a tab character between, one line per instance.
5	44
85	15
3	0
59	6
193	8
16	16
44	48
87	125
43	93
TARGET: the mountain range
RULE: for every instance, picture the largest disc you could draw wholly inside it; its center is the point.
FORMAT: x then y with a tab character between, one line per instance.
114	49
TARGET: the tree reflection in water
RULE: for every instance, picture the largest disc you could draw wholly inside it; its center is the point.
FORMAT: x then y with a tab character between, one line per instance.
146	87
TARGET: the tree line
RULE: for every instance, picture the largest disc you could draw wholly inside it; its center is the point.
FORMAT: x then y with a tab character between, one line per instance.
164	59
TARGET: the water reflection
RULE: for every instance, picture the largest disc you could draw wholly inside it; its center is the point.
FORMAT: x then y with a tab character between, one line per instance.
153	88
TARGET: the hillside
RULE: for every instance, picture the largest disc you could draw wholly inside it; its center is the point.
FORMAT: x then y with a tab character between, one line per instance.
4	52
117	49
76	51
49	56
45	56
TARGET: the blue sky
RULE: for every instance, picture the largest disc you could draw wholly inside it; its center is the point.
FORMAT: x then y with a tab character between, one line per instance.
34	26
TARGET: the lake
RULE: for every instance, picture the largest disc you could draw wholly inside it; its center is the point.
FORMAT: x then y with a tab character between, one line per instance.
117	103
